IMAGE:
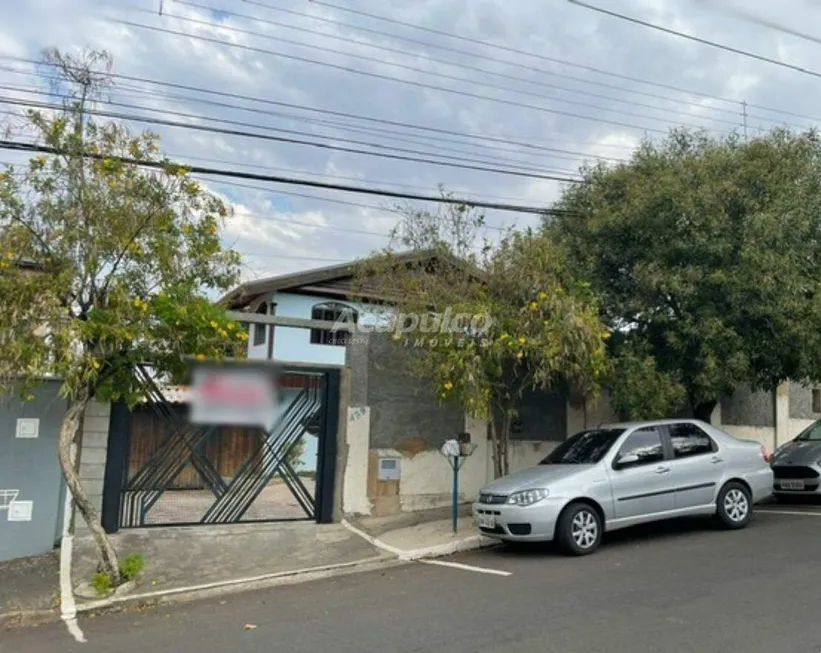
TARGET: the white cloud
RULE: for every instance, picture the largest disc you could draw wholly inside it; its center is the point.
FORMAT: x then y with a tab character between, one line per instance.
268	224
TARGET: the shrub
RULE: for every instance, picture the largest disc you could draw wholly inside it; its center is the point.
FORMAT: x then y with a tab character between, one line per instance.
101	582
132	565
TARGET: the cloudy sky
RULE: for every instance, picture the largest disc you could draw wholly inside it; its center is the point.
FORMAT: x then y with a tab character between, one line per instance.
532	89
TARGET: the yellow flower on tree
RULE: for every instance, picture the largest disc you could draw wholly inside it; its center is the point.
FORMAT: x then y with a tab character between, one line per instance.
522	340
448	385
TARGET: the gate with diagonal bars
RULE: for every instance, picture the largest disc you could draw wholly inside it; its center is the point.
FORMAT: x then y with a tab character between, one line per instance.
162	470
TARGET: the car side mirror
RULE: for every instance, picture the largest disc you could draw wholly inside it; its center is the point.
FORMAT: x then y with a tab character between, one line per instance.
626	460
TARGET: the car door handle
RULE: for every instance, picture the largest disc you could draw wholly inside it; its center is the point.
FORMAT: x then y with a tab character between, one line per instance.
662	470
716	459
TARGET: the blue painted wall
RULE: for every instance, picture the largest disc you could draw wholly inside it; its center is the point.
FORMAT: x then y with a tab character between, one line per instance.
293	345
31	467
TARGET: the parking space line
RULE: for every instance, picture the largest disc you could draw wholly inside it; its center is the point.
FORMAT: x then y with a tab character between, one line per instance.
790	512
459	565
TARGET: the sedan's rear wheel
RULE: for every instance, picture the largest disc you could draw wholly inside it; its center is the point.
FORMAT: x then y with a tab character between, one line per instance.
579	530
734	506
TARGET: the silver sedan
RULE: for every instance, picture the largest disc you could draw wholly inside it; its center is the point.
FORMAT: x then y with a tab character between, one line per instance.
624	474
797	465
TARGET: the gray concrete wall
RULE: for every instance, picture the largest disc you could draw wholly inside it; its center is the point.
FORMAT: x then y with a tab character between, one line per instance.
747	408
542	417
402	407
30	466
93	450
801	402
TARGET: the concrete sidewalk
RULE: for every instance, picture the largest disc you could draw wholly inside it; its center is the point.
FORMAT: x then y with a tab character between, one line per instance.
29	590
201	561
194	562
422	534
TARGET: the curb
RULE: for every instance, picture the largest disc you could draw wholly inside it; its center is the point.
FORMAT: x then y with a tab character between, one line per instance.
26	618
233	586
469	543
115	603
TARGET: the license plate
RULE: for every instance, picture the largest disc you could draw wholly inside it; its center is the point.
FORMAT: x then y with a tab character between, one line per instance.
791	485
486	521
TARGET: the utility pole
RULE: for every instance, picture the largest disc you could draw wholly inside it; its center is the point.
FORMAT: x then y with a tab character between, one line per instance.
744	113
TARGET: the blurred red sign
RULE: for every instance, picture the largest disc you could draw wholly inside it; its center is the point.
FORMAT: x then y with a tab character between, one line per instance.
236	397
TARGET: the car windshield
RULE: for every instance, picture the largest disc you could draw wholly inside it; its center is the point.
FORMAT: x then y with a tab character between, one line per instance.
585	448
812	432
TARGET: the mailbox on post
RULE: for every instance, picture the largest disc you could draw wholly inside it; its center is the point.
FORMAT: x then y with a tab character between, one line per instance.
456	451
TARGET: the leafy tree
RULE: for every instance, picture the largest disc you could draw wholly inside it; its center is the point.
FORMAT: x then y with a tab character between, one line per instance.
639	389
706	254
293	456
530	324
125	255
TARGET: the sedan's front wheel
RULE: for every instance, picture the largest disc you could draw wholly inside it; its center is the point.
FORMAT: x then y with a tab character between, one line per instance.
734	506
579	530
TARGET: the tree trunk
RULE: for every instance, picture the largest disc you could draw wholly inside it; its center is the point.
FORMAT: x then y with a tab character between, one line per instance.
584	412
704	411
505	441
68	431
494	446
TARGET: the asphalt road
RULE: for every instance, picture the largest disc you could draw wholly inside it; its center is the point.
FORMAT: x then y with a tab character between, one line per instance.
680	587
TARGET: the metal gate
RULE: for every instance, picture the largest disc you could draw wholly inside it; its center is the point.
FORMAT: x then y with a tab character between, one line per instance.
175	473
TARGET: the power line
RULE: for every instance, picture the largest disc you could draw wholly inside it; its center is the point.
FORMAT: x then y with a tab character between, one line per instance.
512	50
371	131
516	64
292	141
542	57
389	134
475	96
332	200
498	158
764	22
529	143
332	227
512	164
312	225
267	167
696	39
297	258
32	147
440	61
379	182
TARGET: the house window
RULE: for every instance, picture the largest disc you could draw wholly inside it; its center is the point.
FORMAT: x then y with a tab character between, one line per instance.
260	330
331	312
816	400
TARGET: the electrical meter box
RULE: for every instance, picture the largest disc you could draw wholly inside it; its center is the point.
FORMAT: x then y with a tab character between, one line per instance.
388	469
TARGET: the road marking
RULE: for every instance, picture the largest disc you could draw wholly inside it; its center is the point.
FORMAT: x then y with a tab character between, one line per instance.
459	565
68	608
791	512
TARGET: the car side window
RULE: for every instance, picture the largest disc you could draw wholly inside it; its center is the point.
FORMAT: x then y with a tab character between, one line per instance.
645	444
689	440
